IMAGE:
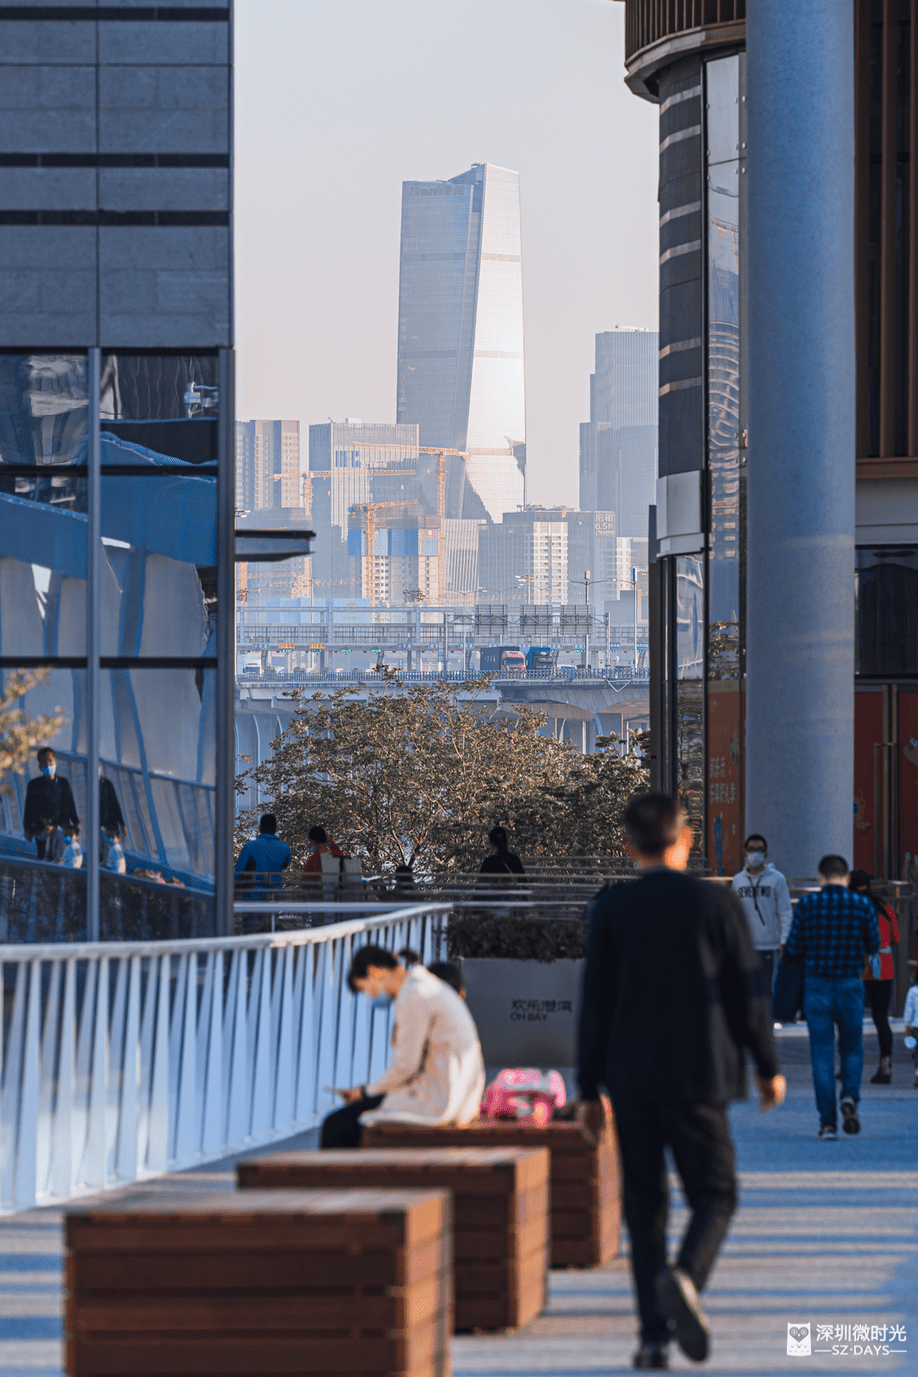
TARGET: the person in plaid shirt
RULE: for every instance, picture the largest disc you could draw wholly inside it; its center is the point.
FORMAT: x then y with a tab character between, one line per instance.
832	931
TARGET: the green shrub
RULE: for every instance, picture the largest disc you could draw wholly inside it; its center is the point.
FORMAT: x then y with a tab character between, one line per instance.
516	939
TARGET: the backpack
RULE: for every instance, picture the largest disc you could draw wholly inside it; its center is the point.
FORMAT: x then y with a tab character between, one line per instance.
342	876
524	1093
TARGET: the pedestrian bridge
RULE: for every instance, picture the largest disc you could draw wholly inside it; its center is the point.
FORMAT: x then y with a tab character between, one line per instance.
121	1061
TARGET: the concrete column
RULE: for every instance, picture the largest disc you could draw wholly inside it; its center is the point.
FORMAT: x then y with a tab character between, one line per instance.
801	380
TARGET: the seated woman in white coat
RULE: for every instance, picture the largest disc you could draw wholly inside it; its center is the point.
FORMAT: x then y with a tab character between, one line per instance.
437	1073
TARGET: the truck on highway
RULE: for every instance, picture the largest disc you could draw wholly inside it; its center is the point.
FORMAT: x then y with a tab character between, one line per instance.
502	659
541	659
251	665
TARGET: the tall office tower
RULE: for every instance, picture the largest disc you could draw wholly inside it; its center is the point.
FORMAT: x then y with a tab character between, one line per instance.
460	334
116	440
350	464
618	445
267	464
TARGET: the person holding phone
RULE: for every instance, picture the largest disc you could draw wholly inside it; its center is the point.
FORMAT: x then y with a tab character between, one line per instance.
437	1073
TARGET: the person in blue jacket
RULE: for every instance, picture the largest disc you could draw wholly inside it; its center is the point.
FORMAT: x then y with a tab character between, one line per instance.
261	861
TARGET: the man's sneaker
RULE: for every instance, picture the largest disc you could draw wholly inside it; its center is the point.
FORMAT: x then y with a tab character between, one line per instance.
678	1297
850	1122
883	1073
828	1131
651	1356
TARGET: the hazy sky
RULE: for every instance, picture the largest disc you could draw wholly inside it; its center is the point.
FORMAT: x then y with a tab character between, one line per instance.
340	101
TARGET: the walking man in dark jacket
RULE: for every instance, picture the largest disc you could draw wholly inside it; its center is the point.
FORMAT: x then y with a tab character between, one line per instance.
48	803
671	1064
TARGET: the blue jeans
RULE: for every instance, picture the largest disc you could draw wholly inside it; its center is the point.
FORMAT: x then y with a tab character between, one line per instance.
828	1003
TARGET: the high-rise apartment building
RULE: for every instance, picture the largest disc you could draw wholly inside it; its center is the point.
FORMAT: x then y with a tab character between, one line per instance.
618	445
267	464
460	334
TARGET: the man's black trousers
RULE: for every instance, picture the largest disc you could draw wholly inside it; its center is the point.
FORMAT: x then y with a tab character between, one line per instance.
699	1136
342	1129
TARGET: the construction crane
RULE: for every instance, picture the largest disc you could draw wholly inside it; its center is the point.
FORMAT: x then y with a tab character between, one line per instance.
439	451
371	509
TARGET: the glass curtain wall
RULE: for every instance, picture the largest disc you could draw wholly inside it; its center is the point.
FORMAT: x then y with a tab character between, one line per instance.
702	596
725	172
109	646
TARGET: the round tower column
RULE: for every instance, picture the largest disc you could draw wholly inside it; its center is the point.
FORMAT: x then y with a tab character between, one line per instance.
801	474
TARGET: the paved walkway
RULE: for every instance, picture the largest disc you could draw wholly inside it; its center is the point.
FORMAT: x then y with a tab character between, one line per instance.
827	1234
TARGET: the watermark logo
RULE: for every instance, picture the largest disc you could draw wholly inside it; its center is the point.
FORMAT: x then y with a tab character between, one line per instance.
845	1340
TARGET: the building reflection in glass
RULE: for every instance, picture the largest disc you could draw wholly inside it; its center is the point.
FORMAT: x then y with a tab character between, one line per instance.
158	604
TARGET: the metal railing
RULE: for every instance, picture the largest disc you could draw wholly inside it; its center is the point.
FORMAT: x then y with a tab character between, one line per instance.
41	902
121	1061
453	676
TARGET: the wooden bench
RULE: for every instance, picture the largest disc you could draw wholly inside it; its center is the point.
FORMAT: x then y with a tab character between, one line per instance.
263	1283
584	1177
500	1214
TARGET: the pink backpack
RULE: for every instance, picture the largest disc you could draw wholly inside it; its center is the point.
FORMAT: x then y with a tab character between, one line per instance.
524	1093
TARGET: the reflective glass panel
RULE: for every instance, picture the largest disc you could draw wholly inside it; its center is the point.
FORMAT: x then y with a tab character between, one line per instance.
166	406
43	430
41	707
722	99
159	575
887	611
158	751
689	617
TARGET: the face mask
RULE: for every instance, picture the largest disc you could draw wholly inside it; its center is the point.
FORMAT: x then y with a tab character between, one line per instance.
49	771
755	859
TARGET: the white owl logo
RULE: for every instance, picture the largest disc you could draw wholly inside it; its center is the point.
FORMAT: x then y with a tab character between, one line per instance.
798	1340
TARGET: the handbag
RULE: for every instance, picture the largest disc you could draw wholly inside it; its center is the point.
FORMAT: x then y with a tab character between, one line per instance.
789	982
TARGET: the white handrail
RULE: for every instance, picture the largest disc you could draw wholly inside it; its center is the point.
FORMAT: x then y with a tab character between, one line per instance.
124	1060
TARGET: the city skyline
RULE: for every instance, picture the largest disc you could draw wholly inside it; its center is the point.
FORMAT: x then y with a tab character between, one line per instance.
318	284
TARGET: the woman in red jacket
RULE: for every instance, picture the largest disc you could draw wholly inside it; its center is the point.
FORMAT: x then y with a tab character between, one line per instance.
879	986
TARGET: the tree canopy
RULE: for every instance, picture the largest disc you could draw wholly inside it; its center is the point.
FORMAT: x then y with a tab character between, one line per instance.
20	735
417	774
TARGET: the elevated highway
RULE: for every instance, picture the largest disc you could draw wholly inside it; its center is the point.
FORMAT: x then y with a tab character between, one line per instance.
580	705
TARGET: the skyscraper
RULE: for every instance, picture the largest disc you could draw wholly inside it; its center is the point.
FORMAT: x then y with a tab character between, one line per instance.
460	333
618	445
267	464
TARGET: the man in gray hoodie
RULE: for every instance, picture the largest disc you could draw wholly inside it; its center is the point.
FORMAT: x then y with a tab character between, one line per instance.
763	892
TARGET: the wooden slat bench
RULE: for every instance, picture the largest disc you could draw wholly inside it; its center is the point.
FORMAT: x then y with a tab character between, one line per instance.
584	1177
500	1214
272	1283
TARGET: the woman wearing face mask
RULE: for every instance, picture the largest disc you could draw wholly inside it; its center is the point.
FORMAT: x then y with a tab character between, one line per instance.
763	892
436	1075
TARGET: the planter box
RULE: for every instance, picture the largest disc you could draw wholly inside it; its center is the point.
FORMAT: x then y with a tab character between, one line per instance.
526	1012
584	1177
261	1282
500	1214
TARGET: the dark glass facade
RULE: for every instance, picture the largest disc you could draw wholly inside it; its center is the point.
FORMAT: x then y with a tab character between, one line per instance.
701	617
150	688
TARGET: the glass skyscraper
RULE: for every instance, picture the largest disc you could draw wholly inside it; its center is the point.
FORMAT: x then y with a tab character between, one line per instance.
618	445
460	334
